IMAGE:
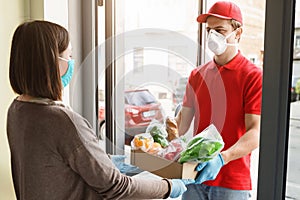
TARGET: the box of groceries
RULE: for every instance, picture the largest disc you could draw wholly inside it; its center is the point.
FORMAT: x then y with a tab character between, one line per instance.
162	152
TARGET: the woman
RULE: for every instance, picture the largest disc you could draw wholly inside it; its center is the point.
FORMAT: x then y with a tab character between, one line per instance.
54	152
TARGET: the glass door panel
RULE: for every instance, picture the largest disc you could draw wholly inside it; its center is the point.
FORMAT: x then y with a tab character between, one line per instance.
156	48
293	166
101	72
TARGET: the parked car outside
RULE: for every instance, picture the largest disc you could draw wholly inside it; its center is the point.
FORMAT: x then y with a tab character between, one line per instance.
295	88
141	107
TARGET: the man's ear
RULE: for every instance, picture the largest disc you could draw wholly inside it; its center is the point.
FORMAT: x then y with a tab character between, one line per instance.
239	32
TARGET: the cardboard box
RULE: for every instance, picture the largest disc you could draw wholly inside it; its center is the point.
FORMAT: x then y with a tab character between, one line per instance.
162	167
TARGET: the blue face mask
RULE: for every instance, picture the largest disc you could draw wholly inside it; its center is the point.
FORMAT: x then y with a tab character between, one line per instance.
66	78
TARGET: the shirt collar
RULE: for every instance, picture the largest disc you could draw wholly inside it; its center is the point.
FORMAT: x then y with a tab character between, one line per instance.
231	65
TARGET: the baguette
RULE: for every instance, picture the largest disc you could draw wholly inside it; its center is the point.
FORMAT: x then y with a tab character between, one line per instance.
171	128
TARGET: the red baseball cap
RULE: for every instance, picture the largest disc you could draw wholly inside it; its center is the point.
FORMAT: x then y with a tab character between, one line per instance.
223	10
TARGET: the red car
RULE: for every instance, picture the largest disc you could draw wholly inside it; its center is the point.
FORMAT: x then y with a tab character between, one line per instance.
141	107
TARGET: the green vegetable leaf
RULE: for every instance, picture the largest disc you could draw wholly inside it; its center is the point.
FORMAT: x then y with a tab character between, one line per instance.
201	150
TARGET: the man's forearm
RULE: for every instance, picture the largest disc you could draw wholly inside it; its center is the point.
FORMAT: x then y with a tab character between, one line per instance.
182	128
245	145
184	119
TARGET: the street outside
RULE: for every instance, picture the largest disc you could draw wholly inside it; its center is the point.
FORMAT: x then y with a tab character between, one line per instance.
293	171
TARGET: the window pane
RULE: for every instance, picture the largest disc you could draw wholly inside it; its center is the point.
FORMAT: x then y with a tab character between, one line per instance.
293	170
101	74
156	48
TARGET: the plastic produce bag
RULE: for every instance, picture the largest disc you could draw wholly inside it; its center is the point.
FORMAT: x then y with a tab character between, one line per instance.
172	152
203	146
155	148
158	132
142	141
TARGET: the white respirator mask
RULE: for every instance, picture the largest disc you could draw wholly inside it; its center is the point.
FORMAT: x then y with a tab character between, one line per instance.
217	42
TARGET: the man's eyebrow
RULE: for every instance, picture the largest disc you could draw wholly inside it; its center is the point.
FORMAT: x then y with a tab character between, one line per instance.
217	27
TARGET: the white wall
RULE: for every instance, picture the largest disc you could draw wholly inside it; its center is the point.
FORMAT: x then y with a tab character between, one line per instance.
12	13
56	11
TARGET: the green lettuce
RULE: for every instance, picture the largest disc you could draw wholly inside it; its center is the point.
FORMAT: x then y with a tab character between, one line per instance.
200	149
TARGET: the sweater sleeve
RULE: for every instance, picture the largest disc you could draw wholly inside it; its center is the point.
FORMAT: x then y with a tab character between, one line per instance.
97	170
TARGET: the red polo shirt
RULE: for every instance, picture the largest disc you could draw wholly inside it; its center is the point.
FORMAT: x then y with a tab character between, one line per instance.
222	95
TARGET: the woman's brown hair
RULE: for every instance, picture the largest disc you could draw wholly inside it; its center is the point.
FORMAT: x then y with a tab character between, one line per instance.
34	68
